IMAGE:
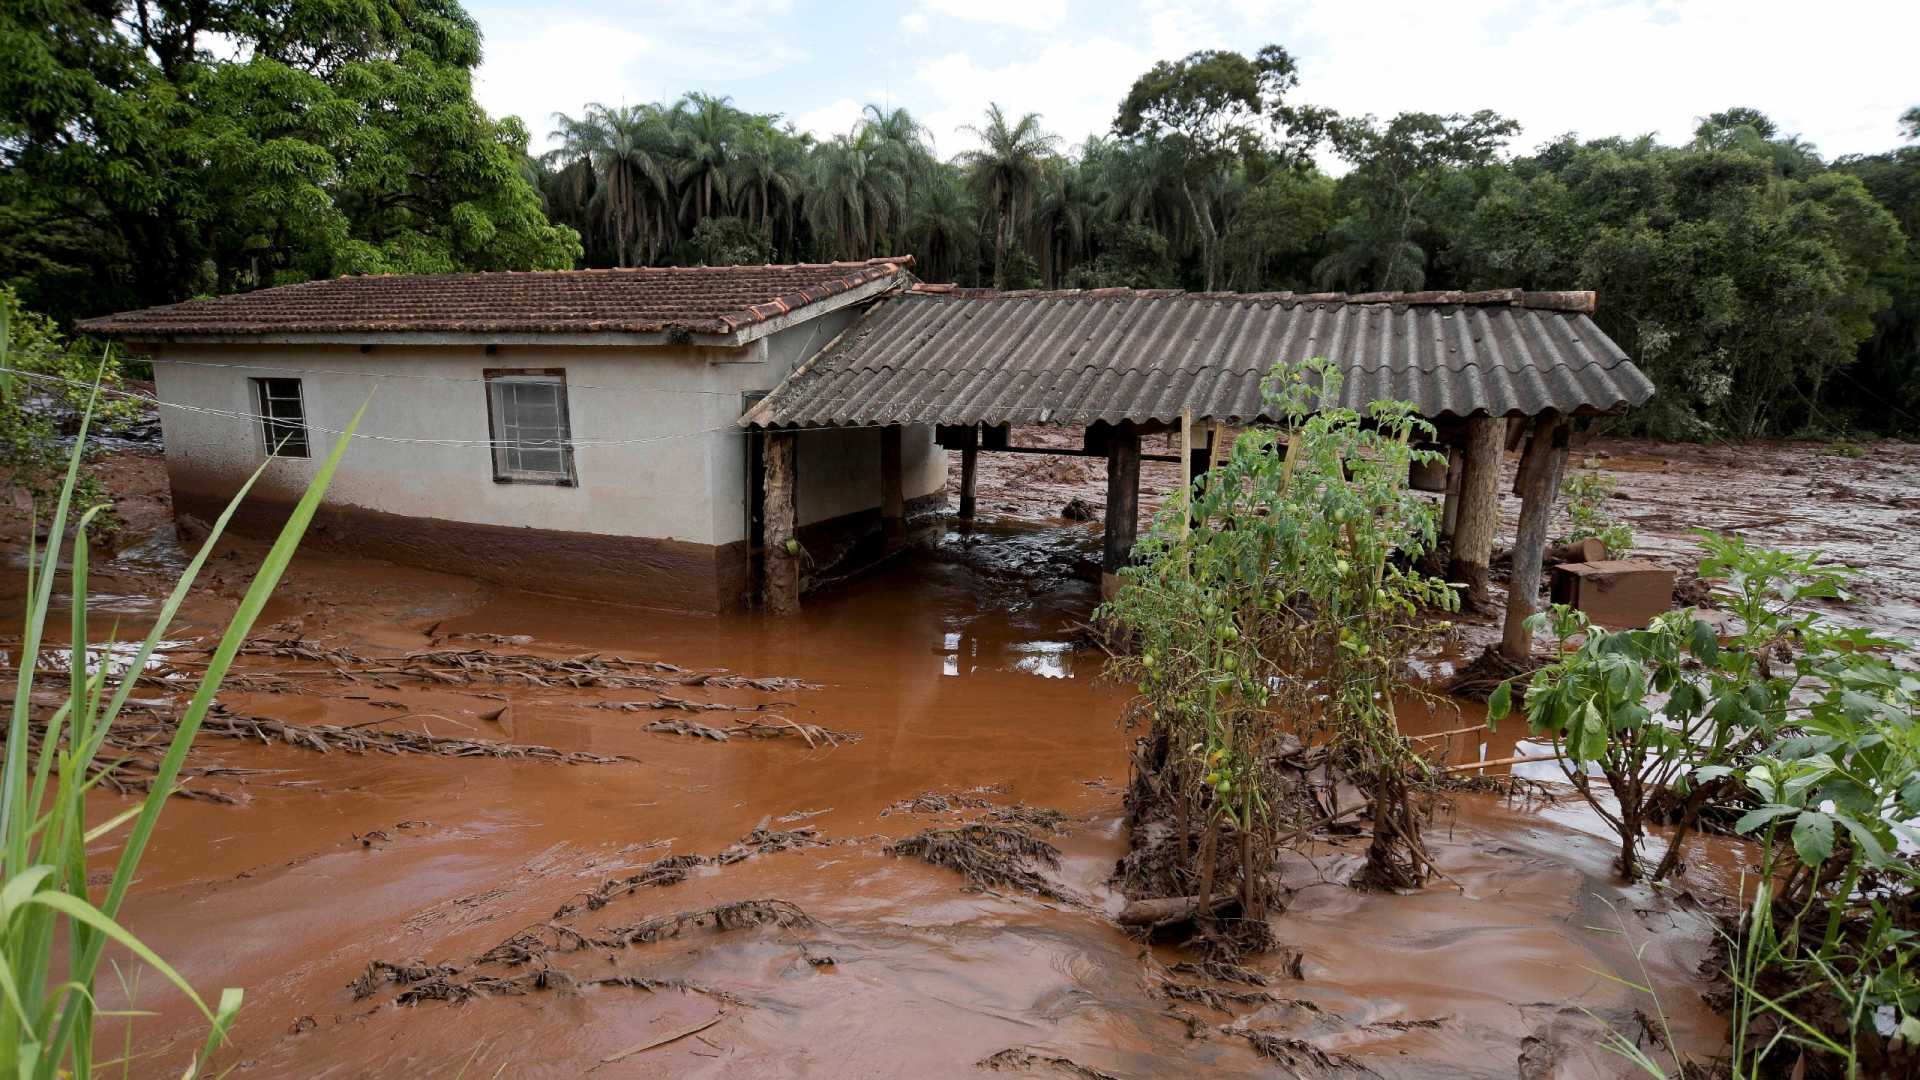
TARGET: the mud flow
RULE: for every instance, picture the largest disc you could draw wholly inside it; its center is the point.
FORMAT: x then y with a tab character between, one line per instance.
441	829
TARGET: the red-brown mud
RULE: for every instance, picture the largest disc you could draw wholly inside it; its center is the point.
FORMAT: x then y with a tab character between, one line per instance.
960	668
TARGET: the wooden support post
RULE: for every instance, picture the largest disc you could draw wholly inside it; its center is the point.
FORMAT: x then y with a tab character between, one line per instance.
1194	470
1123	505
1479	513
969	466
1539	482
893	502
1450	506
781	590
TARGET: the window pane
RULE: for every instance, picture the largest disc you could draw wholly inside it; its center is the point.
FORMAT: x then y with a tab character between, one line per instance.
283	416
529	427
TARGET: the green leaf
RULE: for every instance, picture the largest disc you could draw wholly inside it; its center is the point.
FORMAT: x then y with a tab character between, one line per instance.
1869	844
1753	819
1813	837
1500	702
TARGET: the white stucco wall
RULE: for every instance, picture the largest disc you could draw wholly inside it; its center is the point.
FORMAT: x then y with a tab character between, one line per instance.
680	474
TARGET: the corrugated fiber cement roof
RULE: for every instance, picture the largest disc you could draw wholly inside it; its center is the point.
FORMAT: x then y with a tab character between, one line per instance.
948	356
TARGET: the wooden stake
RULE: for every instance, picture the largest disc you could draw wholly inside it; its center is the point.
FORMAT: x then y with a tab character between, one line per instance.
1186	455
1539	482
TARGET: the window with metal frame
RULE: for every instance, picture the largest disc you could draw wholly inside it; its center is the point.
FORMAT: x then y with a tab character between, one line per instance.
283	416
527	422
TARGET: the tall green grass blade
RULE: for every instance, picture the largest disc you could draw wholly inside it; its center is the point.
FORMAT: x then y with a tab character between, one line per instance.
74	1018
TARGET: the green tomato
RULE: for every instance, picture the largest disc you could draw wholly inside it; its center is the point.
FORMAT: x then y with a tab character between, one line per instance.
1226	786
1147	660
1380	596
1228	663
1341	567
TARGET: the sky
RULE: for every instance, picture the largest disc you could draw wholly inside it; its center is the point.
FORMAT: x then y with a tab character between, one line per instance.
1837	73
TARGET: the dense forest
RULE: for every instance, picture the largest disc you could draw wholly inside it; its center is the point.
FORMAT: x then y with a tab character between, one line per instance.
151	152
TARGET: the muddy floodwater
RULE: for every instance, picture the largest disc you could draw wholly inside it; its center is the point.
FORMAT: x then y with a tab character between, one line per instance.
958	669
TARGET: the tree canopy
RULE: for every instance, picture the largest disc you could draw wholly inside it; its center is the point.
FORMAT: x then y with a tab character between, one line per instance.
150	152
153	151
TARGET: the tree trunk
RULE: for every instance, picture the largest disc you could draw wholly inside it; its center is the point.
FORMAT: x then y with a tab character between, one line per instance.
1539	479
782	556
1123	505
1479	511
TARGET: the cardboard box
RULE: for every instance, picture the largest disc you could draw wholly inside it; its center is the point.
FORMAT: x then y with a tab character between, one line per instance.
1620	594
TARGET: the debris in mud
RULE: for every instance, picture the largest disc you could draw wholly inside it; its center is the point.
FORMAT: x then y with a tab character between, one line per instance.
1297	1053
1039	817
668	701
1214	997
1022	1059
739	915
1078	509
671	870
989	856
942	802
674	869
812	734
327	738
1223	970
465	667
765	841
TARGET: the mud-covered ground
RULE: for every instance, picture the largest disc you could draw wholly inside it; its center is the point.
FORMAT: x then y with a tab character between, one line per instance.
955	669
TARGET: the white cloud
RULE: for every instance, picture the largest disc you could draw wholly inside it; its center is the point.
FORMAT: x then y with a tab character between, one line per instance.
1026	14
1621	68
1075	86
558	69
834	118
536	64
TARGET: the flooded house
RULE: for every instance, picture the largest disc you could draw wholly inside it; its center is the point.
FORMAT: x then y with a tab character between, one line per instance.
571	432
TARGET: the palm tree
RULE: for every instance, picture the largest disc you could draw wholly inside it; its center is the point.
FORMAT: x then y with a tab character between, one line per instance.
1005	169
1368	249
627	148
899	142
856	197
944	225
1063	215
704	127
763	168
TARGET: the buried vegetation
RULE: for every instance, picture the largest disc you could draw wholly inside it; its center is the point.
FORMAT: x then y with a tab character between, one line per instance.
1278	618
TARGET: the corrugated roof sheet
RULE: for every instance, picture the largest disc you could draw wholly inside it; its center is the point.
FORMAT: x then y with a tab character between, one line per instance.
962	357
694	299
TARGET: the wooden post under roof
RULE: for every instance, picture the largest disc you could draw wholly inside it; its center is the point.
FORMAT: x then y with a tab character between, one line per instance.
1539	482
893	502
1123	504
969	465
1479	512
1450	506
781	589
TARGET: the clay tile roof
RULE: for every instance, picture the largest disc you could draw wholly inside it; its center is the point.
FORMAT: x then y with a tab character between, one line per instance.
943	355
691	300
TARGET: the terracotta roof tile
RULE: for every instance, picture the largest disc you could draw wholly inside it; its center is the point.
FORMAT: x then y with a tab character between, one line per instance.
694	300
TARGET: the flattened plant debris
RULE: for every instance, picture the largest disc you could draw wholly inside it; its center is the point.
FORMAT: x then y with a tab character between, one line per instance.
1298	1054
674	869
942	802
327	738
449	983
773	728
1218	998
464	667
989	856
1039	817
1023	1059
1222	970
739	915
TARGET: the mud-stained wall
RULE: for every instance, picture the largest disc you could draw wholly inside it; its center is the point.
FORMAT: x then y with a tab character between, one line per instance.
658	454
